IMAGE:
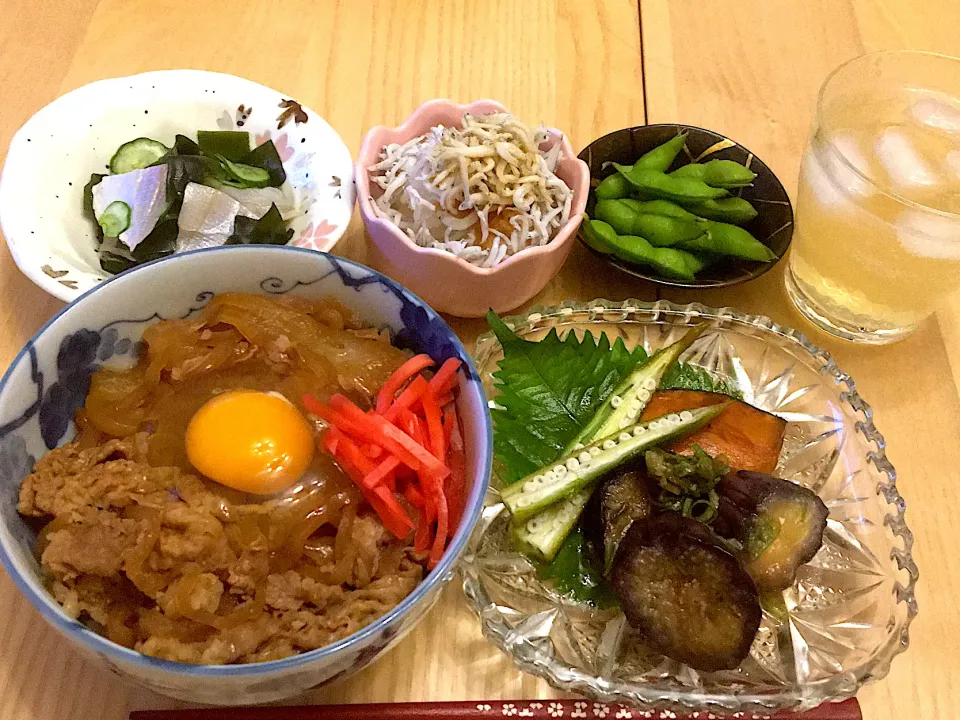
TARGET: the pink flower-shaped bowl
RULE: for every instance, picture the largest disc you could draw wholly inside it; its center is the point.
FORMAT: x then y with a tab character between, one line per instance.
446	282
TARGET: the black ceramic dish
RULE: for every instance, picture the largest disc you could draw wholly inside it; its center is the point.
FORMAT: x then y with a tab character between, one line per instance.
773	225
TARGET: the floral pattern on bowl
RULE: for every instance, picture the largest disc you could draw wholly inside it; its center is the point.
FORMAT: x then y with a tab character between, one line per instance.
48	381
53	154
448	283
847	615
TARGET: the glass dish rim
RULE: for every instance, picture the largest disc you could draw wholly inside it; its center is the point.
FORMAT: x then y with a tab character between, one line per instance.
562	676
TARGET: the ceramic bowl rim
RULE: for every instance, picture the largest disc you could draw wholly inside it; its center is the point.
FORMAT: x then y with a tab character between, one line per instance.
49	284
483	105
436	578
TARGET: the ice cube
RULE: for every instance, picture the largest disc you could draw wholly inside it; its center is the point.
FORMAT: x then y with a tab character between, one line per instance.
929	234
937	114
953	162
829	172
902	161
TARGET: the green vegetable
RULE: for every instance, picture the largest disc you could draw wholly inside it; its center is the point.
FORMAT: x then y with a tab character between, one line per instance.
634	392
231	144
687	481
670	262
662	156
690	377
726	239
694	475
654	184
718	173
136	155
266	157
660	207
182	145
695	262
548	391
613	186
599	235
557	521
553	526
658	230
626	403
114	219
239	175
732	210
579	468
185	169
268	230
575	576
541	385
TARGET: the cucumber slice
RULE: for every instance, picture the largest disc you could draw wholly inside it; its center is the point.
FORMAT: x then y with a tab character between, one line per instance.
244	176
624	405
581	467
136	155
114	219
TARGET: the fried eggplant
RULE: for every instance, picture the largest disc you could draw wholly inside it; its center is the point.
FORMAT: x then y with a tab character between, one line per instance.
780	525
685	593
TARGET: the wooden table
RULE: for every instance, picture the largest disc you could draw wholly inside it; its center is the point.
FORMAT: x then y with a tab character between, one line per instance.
749	69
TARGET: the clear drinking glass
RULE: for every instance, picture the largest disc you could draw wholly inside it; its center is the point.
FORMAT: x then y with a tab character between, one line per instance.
877	241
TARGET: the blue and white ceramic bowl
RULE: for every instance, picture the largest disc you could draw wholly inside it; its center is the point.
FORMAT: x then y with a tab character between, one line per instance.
49	379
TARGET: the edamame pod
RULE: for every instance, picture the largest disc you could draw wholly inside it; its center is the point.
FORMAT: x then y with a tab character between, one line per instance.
718	173
613	186
662	156
730	240
659	230
695	263
598	235
661	207
669	262
732	210
654	184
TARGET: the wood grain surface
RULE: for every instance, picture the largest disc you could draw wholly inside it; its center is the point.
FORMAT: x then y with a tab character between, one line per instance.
746	68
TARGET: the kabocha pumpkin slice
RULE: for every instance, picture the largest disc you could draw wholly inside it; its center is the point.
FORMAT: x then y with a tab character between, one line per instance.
749	437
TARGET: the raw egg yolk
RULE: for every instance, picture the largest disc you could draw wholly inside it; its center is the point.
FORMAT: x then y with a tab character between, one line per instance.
251	441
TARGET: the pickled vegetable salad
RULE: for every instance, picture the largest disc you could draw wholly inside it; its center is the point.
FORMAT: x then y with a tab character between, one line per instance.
617	476
158	200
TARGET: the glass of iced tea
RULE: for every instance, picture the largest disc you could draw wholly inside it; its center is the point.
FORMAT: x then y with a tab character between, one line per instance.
877	240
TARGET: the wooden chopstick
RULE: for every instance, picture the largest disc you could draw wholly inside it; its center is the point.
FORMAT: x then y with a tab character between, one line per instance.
489	710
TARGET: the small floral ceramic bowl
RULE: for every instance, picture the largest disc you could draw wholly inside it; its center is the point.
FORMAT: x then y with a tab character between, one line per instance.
48	381
448	283
52	156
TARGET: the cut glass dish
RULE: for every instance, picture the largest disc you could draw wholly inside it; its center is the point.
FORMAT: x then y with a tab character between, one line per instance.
847	615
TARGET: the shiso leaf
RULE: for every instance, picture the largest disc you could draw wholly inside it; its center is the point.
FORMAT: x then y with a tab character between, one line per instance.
548	392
